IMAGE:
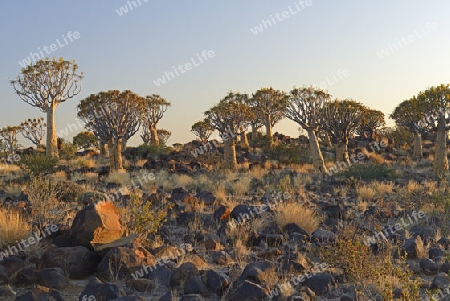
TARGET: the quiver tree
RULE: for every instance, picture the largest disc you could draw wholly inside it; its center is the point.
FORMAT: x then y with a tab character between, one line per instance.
112	115
33	130
305	108
341	119
437	100
45	85
371	122
202	129
269	107
9	135
163	135
153	112
85	139
410	115
230	117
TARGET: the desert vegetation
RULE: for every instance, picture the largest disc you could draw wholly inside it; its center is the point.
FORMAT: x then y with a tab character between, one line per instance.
250	217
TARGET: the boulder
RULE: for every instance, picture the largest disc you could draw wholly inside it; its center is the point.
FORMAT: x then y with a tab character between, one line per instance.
195	285
247	290
101	291
78	262
97	223
12	264
413	248
123	262
320	284
181	274
53	278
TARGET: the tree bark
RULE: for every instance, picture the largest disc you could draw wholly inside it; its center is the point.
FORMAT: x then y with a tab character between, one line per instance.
268	126
103	149
52	143
327	140
440	157
254	133
154	139
342	152
417	150
124	143
116	154
316	154
229	152
244	140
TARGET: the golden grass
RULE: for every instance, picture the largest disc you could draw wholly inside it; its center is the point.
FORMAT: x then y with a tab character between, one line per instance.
13	227
15	190
241	185
59	176
221	195
7	168
119	177
412	187
82	162
307	168
382	189
365	192
296	213
88	177
162	178
377	158
140	163
181	180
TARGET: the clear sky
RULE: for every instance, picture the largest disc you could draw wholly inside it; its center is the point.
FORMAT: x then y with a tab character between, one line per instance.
307	44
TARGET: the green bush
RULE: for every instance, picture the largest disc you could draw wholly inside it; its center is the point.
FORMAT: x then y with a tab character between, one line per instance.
67	150
38	165
370	172
145	217
287	154
147	151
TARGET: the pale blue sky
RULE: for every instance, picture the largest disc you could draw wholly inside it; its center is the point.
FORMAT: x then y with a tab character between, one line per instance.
131	51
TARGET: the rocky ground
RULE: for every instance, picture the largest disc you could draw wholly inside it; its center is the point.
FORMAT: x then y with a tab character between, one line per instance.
267	232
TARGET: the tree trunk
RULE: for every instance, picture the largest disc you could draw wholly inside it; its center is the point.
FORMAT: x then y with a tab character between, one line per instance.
103	149
316	154
268	126
229	152
417	151
112	153
154	139
440	157
116	154
254	133
244	140
52	143
327	140
124	143
342	152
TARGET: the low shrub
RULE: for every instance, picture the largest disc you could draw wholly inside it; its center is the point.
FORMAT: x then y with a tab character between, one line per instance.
38	165
370	172
154	151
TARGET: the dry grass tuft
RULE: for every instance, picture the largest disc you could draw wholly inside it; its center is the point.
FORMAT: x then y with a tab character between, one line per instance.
382	189
181	180
119	177
13	227
90	177
365	192
59	176
220	194
296	213
82	162
377	158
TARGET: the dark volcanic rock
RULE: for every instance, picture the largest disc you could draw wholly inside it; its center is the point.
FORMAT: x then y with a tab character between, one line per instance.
78	262
101	291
